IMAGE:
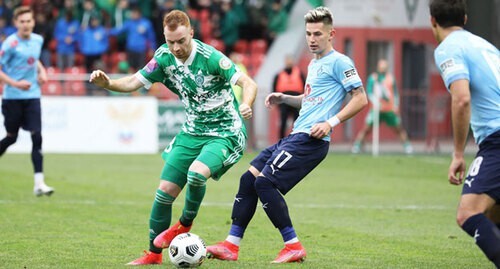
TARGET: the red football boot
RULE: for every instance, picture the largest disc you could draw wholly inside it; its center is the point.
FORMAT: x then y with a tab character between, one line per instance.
225	250
163	240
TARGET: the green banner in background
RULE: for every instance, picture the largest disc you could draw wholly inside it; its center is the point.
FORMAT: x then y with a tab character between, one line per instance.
171	116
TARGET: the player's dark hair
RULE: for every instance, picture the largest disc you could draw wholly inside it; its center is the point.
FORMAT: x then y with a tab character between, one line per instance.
319	14
448	13
22	10
175	18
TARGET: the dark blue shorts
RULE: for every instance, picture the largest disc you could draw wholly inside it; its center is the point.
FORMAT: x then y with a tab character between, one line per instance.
25	113
287	162
484	171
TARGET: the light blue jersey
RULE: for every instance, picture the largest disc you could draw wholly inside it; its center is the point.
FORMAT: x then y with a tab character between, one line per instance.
18	58
328	81
462	55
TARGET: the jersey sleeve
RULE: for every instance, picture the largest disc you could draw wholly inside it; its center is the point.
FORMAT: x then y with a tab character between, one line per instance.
5	52
151	73
451	65
220	65
346	74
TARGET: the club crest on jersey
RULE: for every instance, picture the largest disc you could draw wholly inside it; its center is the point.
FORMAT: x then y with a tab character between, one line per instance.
31	60
151	66
199	79
320	71
14	43
224	63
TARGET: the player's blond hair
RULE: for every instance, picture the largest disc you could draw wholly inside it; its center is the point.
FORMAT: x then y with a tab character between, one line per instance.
319	14
22	10
175	18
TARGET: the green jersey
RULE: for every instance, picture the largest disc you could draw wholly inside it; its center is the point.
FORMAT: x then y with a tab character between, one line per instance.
203	84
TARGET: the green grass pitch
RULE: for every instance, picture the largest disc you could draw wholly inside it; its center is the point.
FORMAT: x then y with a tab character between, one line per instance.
351	212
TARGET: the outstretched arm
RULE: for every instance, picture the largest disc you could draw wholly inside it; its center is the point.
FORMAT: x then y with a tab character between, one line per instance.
125	84
249	88
277	98
358	101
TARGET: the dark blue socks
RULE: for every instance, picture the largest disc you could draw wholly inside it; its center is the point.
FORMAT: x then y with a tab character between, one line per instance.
244	205
486	234
275	207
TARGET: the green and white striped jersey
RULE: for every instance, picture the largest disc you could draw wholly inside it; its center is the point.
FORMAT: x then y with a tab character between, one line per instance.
203	85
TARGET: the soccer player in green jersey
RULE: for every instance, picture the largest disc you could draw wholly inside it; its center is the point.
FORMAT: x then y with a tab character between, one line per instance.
213	137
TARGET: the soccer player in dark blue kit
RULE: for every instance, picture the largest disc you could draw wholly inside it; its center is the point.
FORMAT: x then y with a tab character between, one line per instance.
470	68
277	169
22	72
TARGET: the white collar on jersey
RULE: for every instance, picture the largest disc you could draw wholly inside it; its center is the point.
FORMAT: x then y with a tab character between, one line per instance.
191	56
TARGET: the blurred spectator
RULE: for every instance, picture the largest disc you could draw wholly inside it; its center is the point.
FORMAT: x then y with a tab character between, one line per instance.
5	12
70	6
66	34
145	6
121	13
93	42
5	29
229	26
89	10
289	81
107	6
140	38
44	26
277	21
257	22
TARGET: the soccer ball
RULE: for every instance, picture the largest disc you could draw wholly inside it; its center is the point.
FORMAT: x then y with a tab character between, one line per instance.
187	250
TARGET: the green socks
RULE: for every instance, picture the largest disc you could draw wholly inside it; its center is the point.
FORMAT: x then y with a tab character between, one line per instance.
196	187
161	214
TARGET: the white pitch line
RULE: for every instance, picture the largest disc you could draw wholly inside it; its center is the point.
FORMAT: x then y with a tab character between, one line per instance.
220	204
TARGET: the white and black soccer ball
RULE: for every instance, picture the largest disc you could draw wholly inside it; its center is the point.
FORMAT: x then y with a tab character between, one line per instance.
187	250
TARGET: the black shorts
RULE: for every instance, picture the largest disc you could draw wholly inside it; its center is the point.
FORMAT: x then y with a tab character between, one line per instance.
484	172
287	162
25	113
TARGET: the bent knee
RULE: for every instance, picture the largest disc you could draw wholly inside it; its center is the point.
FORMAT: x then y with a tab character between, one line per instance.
464	214
196	179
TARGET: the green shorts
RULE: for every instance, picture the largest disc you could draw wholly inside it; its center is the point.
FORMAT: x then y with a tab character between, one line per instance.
218	153
389	117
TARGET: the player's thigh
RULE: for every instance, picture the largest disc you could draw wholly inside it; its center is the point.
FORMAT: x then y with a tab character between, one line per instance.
32	116
484	172
260	161
220	154
12	111
178	156
293	159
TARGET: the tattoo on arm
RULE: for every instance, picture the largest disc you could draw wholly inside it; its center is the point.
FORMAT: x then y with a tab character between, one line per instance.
357	90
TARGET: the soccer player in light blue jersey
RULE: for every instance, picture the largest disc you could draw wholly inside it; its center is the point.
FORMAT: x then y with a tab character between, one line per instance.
22	72
470	68
277	169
